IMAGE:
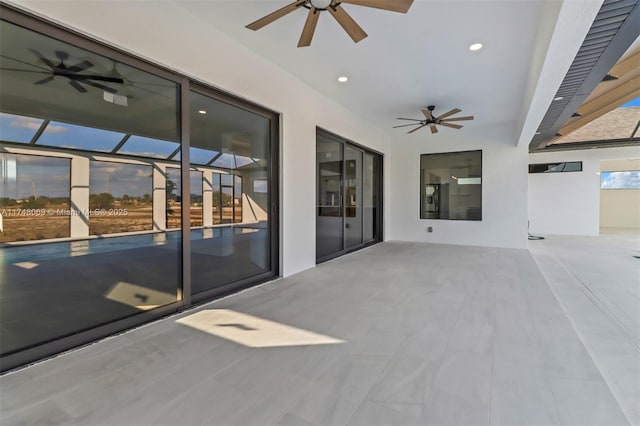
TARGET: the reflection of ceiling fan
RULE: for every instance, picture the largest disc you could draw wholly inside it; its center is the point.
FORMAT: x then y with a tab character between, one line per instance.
335	9
73	73
432	121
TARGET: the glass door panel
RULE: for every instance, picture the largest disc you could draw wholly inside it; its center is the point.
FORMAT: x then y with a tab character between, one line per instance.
353	197
368	197
329	221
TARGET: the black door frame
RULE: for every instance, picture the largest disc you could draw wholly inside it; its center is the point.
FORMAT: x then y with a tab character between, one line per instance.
379	222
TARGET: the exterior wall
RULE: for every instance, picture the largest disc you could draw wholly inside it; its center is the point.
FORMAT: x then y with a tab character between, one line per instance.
620	208
569	203
179	40
504	189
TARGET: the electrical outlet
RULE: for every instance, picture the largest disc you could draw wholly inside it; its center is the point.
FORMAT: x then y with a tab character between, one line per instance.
430	229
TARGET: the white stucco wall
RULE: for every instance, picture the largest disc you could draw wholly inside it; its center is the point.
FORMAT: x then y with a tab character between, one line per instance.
569	203
504	188
212	57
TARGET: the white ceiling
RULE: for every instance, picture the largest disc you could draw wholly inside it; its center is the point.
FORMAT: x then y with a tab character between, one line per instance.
408	61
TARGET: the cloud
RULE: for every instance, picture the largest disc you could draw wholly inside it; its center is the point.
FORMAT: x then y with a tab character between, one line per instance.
26	123
56	129
34	124
621	180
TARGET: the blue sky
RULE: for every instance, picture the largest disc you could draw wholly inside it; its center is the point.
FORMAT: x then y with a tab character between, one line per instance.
620	180
634	102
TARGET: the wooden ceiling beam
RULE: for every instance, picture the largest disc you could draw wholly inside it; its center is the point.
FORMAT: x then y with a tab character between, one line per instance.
623	67
610	96
585	119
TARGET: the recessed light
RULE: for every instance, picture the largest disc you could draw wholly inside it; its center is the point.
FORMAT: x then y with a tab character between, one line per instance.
538	133
343	79
202	111
475	46
558	98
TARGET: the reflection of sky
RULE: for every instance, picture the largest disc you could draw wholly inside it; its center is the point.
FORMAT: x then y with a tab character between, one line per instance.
120	179
260	186
147	147
71	136
40	175
201	156
14	128
243	161
227	179
620	180
225	161
195	181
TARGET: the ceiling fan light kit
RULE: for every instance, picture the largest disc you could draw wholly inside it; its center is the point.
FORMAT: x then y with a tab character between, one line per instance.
433	122
335	9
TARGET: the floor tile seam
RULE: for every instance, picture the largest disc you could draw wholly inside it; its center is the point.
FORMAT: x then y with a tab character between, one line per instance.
493	358
609	382
177	398
104	374
435	377
537	337
596	299
67	389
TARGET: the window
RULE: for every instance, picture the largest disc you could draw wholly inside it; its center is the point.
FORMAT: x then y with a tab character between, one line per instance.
451	186
620	180
93	190
570	166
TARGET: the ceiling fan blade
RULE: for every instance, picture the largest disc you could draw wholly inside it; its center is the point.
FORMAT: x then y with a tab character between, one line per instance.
29	71
447	114
427	114
392	5
24	63
404	125
454	126
44	80
43	59
417	128
100	86
434	129
84	77
81	66
347	23
412	119
77	86
309	27
265	20
470	117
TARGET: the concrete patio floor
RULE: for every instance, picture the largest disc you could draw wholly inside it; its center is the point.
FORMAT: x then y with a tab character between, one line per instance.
399	333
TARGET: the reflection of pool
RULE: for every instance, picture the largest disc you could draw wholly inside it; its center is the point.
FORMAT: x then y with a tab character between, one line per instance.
64	249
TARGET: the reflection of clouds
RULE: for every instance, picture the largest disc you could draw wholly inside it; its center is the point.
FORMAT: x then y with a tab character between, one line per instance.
619	180
132	179
25	123
34	124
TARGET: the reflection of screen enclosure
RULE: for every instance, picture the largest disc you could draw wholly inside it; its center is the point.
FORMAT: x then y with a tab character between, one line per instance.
34	197
120	198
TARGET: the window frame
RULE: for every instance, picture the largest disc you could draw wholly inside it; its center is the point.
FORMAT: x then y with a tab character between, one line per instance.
185	84
422	183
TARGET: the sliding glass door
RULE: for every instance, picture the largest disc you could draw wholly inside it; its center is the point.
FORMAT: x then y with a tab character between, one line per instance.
348	196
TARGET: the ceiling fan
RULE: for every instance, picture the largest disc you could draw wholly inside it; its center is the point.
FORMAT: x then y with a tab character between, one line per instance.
432	121
72	73
335	9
